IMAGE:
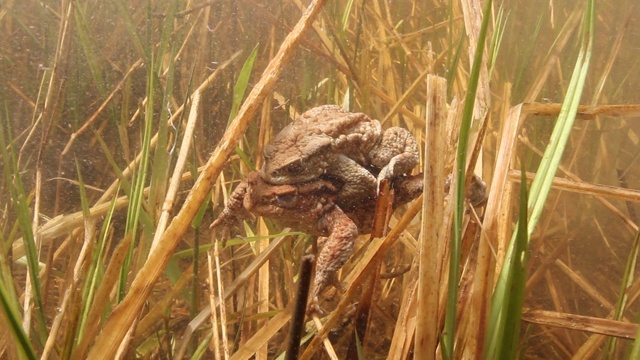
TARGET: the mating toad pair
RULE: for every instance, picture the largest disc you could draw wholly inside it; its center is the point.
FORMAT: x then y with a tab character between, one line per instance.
321	175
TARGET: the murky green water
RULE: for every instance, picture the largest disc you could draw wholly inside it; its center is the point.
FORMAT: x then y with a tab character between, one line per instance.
79	79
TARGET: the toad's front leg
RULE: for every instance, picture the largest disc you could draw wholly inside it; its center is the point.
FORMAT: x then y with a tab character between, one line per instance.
396	154
359	183
335	252
234	211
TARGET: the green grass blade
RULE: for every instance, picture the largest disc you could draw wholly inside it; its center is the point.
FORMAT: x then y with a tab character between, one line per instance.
10	298
245	159
627	281
124	14
346	15
96	269
84	202
453	64
160	170
9	302
196	224
167	29
553	153
502	344
201	350
526	57
20	203
124	183
540	187
635	349
241	84
139	181
359	348
458	211
12	316
496	40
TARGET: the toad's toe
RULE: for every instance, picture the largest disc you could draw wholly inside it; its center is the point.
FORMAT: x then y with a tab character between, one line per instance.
313	308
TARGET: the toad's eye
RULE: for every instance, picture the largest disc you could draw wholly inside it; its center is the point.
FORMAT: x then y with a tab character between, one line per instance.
294	168
286	200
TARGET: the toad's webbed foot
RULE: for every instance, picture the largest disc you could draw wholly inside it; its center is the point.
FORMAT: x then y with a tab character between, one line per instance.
477	191
233	212
396	155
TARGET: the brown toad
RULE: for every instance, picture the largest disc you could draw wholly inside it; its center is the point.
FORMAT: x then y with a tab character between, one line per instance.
310	207
331	142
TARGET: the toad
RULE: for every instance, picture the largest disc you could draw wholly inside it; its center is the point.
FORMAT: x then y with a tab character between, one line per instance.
311	207
328	141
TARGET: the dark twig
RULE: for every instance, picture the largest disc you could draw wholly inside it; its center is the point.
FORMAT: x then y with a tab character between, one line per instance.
186	12
622	178
297	319
363	312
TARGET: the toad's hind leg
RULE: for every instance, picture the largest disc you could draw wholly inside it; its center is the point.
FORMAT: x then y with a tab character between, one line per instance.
337	249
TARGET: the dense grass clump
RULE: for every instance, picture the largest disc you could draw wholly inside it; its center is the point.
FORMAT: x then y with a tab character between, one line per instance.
124	126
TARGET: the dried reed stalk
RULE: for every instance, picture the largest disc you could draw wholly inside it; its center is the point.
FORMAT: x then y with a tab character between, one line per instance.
125	314
426	336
